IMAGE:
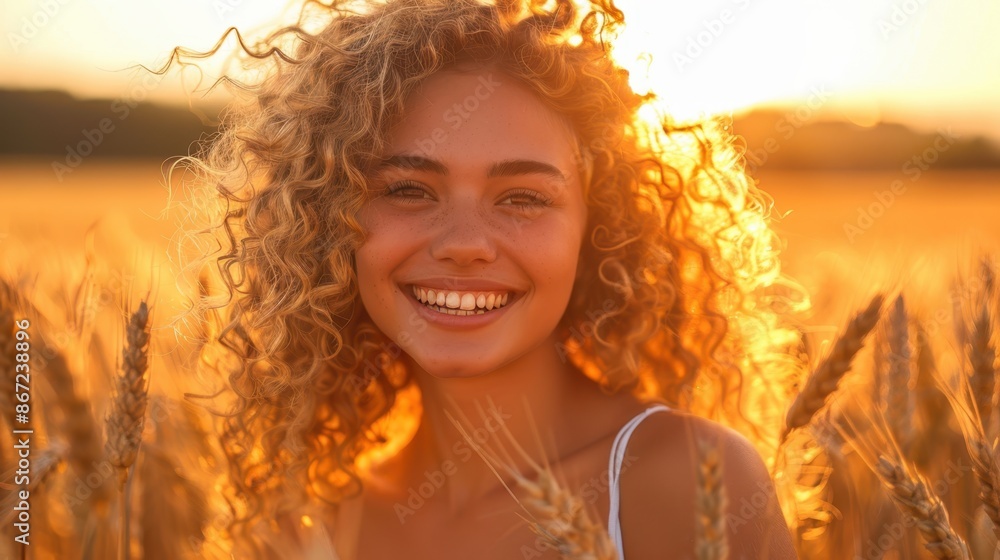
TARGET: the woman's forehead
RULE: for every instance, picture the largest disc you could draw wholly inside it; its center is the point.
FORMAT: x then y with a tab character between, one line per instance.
465	114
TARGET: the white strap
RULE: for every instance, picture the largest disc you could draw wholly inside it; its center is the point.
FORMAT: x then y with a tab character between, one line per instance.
615	471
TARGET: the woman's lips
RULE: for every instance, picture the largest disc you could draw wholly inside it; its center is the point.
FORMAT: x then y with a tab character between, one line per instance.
466	321
459	303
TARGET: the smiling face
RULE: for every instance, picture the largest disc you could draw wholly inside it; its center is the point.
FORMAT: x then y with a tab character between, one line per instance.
480	201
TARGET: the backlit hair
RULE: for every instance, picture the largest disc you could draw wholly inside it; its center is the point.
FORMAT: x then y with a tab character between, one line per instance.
676	295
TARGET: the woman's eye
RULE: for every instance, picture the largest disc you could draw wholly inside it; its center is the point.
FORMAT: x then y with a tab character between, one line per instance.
527	198
406	191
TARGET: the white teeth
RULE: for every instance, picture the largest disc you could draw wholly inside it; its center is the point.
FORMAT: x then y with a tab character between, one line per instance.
462	312
460	303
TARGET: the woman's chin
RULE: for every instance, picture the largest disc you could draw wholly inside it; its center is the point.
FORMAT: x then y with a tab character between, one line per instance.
465	369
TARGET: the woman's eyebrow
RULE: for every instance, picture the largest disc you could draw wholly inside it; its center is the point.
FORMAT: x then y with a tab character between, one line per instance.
505	168
509	167
419	163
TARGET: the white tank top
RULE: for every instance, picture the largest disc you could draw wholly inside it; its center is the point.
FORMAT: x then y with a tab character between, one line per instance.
615	470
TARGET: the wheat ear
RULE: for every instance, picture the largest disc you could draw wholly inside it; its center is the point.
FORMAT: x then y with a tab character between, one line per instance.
982	356
710	498
984	464
927	393
7	370
989	276
880	354
561	518
553	512
79	427
43	464
912	497
981	452
128	412
899	391
823	382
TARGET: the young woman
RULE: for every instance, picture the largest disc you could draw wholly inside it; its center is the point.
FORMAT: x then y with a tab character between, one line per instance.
446	214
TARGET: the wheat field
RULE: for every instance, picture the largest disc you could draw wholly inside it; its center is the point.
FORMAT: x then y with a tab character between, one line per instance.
890	439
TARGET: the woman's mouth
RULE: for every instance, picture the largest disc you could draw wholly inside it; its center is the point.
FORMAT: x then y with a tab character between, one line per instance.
462	303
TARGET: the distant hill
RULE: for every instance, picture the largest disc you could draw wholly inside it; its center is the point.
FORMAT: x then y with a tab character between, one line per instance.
781	140
53	123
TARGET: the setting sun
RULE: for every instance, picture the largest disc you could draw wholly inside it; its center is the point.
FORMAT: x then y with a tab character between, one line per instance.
871	56
896	59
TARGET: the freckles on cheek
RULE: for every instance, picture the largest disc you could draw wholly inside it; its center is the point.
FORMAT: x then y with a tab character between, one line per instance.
560	240
384	225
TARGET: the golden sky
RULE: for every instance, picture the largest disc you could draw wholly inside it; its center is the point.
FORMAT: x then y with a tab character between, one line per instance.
929	63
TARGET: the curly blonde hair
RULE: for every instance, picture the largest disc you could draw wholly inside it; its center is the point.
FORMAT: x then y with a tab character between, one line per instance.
677	295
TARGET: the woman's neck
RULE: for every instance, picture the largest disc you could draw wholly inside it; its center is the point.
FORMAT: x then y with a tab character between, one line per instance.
536	397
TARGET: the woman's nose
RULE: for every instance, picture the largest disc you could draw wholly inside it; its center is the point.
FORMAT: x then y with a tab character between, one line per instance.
464	237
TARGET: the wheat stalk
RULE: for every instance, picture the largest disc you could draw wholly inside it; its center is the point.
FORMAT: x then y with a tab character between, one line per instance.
128	413
8	372
981	452
710	499
879	355
898	390
984	465
553	512
173	507
982	356
989	276
911	496
10	304
78	424
823	382
43	464
561	518
927	394
958	317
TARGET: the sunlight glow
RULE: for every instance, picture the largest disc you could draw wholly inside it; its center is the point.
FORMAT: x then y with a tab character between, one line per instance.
906	60
729	55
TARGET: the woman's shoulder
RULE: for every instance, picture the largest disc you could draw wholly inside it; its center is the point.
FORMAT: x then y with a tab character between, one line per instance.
659	489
